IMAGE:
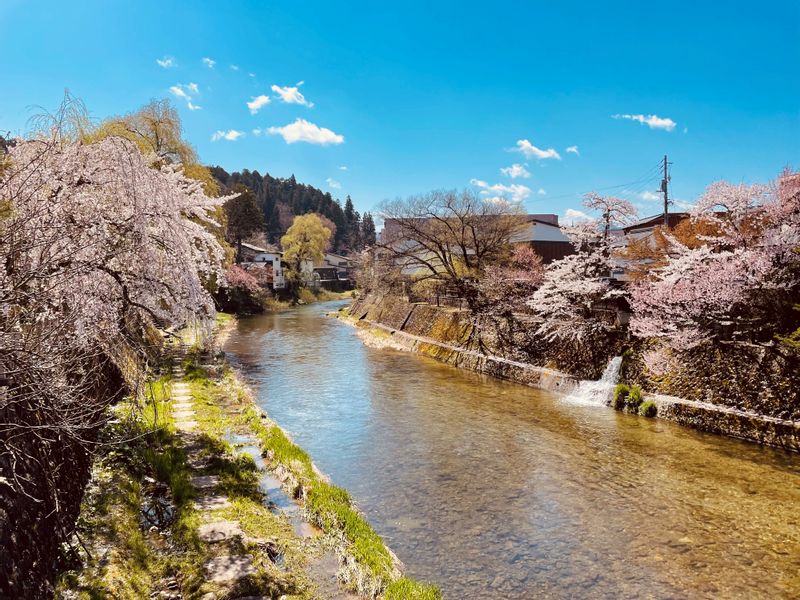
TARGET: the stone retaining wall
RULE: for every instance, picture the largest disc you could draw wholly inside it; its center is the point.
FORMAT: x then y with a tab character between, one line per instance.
444	334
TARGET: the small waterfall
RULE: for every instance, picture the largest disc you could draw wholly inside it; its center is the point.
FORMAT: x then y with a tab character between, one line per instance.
598	393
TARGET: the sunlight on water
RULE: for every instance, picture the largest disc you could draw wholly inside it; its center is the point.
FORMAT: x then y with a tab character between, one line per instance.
495	490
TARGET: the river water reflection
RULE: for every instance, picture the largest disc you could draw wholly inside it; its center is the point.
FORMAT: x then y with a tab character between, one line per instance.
495	490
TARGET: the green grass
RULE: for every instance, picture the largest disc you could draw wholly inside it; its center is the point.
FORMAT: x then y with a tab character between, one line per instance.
110	514
620	395
634	398
408	589
648	409
331	507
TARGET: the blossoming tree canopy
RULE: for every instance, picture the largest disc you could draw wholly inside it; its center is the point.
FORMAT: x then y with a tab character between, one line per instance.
121	234
575	286
744	275
99	247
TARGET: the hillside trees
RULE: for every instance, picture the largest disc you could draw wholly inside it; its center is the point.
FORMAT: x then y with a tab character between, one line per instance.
280	200
243	217
368	236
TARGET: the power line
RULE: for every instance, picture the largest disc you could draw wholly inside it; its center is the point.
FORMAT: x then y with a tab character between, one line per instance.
650	175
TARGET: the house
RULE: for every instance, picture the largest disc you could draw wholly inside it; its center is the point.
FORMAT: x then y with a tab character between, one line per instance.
249	251
646	226
266	258
540	231
641	230
543	233
344	266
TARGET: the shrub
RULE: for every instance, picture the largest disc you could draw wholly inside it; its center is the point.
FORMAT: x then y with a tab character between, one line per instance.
634	398
306	296
648	409
621	393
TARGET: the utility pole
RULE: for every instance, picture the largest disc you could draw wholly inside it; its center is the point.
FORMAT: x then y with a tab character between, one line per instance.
664	189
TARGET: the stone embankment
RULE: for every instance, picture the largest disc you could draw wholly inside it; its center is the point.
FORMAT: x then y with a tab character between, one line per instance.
447	335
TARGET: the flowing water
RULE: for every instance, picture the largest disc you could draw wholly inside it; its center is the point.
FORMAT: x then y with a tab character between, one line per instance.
496	490
599	393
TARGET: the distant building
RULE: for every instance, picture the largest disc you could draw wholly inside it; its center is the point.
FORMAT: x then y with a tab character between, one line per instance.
544	235
265	258
335	273
541	232
646	226
641	230
249	251
345	266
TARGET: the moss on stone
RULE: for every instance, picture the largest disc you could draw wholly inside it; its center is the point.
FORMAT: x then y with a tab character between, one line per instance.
648	409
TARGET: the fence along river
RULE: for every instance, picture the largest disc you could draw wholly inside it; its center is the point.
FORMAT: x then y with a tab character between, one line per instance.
495	490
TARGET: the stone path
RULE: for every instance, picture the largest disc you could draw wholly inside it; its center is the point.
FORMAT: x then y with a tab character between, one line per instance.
228	567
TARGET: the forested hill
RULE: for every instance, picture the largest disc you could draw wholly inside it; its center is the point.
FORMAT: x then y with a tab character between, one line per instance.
282	199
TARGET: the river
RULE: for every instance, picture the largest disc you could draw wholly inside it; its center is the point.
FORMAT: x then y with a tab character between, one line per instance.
495	490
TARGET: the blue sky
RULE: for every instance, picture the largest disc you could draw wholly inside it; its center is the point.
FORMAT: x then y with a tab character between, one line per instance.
415	96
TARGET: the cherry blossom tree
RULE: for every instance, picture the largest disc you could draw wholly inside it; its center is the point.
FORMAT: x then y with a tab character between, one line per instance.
744	277
504	288
576	297
101	246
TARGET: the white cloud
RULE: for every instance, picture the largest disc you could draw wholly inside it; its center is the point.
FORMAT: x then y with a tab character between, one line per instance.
515	170
257	131
291	95
257	103
531	151
252	74
342	168
541	192
209	62
231	135
573	150
652	121
234	67
649	196
177	90
573	216
166	63
332	183
514	192
183	90
304	131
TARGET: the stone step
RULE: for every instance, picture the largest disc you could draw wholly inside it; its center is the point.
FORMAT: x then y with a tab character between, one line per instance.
224	569
220	531
204	482
212	503
183	415
186	425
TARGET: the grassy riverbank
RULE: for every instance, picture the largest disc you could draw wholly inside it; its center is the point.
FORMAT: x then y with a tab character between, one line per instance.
140	527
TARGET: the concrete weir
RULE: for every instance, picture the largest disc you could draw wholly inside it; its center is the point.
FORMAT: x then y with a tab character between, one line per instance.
440	333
